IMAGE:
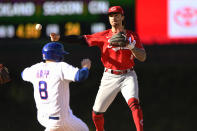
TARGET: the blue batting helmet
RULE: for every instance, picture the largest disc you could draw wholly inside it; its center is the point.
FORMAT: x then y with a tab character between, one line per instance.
53	51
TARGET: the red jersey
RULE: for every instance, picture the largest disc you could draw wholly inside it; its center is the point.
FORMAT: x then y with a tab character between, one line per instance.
116	58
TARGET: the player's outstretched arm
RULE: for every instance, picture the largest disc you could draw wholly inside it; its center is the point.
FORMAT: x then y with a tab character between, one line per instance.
69	39
83	73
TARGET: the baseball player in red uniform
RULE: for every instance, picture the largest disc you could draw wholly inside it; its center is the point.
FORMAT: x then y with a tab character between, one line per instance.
119	74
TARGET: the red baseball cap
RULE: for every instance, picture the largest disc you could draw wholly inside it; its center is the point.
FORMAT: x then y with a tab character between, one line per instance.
116	9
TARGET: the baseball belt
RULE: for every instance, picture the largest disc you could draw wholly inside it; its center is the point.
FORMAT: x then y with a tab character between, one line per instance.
118	72
53	118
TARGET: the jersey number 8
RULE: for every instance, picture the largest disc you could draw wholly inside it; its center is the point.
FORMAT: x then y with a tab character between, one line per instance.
43	90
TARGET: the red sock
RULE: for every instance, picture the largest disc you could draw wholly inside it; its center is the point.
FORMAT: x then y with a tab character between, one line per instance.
137	113
98	121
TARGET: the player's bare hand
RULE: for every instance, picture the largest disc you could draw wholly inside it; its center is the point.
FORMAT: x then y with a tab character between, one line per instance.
54	37
4	74
86	63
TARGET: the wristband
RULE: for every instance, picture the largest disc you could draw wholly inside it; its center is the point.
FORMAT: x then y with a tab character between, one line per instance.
132	44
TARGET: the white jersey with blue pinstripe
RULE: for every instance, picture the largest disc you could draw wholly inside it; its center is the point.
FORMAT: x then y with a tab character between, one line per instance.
51	87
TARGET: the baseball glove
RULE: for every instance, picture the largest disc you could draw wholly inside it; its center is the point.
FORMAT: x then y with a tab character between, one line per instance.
119	40
4	74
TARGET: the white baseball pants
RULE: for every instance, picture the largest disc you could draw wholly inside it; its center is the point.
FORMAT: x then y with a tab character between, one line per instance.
111	85
70	123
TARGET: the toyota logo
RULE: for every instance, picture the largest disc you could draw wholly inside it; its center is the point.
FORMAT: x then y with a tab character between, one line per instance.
186	17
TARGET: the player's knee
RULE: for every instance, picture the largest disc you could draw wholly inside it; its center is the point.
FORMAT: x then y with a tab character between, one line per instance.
133	104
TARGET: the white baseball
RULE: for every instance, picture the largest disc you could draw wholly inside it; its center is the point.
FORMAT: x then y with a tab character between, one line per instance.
38	26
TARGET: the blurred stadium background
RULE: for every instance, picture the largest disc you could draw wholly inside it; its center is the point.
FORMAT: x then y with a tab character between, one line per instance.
167	28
